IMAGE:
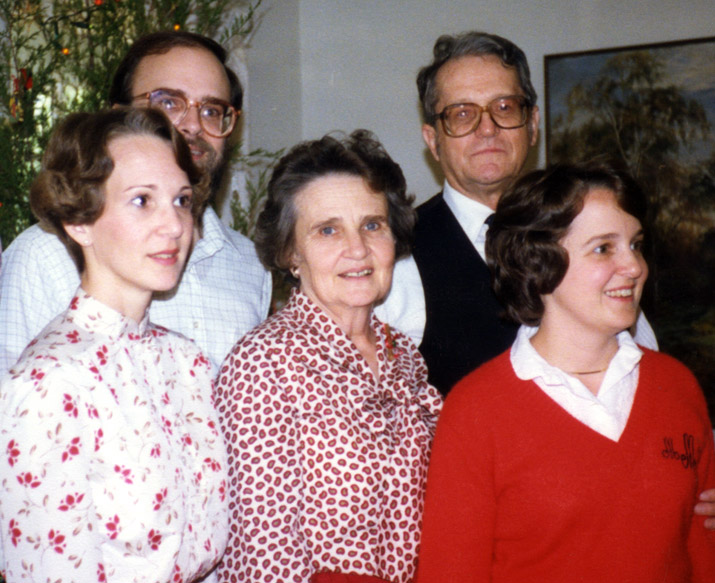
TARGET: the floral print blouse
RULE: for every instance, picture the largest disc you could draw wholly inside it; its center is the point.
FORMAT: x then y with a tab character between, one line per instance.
112	467
327	467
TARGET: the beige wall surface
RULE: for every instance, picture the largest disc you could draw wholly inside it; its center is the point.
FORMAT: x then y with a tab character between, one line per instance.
322	65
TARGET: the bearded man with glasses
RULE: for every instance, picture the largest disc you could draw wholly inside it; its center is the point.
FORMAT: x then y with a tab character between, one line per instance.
224	290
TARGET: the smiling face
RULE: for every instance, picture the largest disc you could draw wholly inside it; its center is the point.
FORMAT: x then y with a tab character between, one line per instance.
199	75
343	247
482	164
604	281
140	242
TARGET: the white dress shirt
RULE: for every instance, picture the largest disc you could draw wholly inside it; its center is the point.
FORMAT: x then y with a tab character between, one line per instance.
404	308
607	412
223	293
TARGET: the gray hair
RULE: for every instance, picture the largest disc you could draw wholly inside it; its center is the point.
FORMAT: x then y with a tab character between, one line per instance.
477	44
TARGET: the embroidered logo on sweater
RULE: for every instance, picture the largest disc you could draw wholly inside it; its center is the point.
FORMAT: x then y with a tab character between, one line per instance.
687	456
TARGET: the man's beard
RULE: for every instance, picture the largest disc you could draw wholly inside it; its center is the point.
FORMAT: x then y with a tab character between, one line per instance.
211	162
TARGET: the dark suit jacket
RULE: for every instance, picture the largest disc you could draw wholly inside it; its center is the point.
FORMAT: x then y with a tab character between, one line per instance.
463	328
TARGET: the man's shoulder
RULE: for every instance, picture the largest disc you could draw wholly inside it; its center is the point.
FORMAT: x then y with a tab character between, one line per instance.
428	207
35	241
35	251
232	241
242	243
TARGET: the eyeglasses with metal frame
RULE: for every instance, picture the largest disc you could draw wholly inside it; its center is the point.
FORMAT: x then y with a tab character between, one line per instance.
217	117
508	112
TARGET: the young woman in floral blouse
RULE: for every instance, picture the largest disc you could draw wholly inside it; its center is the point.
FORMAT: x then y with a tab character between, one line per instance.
326	410
113	466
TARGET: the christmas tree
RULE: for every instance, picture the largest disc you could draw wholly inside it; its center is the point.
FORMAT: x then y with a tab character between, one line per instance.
59	56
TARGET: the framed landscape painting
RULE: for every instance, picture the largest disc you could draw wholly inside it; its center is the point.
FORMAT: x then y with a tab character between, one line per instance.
652	108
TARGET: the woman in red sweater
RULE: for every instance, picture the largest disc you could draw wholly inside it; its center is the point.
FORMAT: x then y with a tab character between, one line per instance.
576	456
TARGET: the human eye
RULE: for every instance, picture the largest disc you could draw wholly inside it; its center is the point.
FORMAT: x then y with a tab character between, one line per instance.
166	101
183	201
603	249
327	230
212	110
374	224
507	107
141	200
637	245
462	112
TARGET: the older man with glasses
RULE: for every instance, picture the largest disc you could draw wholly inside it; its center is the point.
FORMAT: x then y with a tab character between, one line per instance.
481	120
224	291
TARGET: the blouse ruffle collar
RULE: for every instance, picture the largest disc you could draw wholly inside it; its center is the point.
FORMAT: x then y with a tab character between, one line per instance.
96	317
375	401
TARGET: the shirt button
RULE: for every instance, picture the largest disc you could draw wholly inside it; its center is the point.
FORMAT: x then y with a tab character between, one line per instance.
197	324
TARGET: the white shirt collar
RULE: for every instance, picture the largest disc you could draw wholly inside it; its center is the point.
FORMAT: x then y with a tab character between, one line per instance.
608	412
470	213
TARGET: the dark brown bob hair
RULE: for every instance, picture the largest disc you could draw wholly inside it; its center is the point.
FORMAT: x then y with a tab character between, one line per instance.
69	190
523	246
359	154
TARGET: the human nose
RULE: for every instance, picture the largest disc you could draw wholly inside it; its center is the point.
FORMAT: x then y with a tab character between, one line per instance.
486	125
171	222
633	265
190	123
356	246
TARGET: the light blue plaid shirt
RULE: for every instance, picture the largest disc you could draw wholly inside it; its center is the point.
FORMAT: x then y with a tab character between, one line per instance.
223	293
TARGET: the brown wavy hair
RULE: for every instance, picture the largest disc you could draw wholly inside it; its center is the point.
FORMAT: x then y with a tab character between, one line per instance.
523	246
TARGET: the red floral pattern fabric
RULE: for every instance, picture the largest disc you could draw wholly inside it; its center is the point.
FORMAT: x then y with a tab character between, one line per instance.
327	467
112	467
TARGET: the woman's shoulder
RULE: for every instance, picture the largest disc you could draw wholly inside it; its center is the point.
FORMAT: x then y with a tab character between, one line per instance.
667	373
664	367
60	341
279	331
493	381
499	367
59	357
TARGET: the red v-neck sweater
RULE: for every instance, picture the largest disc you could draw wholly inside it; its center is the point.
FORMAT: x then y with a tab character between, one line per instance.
519	491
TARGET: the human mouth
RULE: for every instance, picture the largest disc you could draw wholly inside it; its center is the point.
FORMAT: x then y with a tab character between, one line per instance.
362	273
626	292
166	258
200	150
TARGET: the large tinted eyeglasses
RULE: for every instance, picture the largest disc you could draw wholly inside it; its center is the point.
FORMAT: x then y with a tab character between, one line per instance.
508	112
217	117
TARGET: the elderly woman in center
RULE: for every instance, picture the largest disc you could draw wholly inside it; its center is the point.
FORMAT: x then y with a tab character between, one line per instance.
327	411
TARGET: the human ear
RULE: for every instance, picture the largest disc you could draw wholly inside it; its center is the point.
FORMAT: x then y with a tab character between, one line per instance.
533	125
80	234
429	135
